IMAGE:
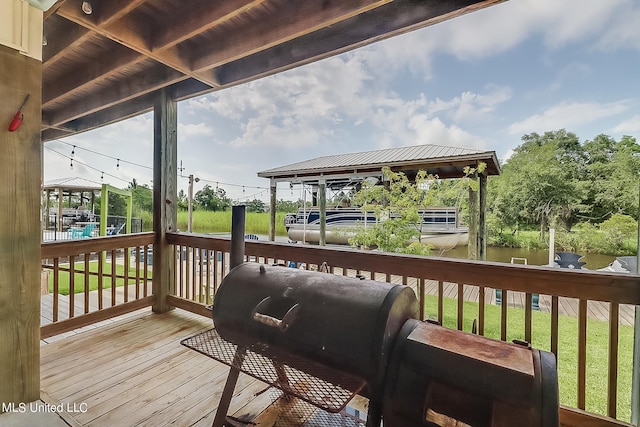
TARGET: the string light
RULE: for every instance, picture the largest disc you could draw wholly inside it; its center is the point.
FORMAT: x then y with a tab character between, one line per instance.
117	159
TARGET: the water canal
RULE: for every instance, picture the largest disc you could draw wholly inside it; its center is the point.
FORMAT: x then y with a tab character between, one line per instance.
533	256
501	254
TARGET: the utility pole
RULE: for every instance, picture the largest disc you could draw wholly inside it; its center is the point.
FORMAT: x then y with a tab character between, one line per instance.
190	223
635	372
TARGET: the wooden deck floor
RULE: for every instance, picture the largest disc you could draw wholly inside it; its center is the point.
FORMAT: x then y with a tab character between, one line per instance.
134	372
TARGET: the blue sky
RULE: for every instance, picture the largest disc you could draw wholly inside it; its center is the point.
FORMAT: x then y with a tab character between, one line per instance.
478	81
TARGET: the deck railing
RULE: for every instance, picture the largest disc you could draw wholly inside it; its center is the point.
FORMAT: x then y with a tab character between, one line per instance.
90	280
461	294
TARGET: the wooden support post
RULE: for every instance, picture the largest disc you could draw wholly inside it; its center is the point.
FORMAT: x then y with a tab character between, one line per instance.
165	167
322	204
272	212
20	75
472	248
482	219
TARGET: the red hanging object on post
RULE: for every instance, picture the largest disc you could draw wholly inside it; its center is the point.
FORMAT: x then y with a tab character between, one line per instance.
17	119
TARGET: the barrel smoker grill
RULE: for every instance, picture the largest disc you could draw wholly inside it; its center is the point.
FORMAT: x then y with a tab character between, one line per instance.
363	337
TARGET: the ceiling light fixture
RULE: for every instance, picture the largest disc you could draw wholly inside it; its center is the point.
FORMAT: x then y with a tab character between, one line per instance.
86	8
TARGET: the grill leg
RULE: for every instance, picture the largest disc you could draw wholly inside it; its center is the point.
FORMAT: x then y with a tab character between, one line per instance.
374	414
220	419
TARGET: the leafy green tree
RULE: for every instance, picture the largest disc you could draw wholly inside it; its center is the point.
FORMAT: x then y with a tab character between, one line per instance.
183	201
289	206
542	183
613	177
255	205
395	205
210	199
142	197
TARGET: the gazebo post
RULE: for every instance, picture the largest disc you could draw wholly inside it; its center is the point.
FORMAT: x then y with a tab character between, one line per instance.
472	248
272	210
322	205
482	219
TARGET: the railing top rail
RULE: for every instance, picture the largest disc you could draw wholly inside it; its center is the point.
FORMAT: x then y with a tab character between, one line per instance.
95	244
582	284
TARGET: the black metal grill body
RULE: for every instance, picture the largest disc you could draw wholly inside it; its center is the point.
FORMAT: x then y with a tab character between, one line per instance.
439	376
417	374
344	323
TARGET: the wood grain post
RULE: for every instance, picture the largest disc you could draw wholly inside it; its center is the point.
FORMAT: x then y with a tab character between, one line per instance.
272	211
165	151
472	248
20	75
322	201
482	218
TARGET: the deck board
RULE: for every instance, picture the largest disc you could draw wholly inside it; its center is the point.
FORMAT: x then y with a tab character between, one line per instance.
134	371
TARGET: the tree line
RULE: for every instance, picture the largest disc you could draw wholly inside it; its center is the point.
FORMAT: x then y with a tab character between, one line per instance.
555	180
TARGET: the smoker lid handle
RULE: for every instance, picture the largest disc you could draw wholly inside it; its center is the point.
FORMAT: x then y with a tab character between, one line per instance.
283	324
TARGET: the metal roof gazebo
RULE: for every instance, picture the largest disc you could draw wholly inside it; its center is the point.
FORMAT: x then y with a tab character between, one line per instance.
340	170
67	187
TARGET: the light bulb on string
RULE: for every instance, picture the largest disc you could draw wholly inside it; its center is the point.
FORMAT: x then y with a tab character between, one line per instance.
101	176
118	164
71	164
73	151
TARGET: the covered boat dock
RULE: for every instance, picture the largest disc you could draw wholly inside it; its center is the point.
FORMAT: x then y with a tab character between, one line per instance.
349	170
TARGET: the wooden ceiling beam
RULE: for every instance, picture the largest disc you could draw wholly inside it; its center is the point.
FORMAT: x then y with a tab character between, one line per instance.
299	19
134	86
113	114
107	12
92	73
394	18
135	35
199	17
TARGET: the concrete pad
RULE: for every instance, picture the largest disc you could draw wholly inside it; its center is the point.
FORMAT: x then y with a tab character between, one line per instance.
34	414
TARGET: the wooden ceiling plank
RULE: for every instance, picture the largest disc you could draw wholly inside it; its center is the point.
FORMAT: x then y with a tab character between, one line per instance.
124	90
59	42
306	17
93	72
127	32
197	18
113	114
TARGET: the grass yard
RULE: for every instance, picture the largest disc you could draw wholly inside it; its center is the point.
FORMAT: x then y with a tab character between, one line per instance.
63	284
597	350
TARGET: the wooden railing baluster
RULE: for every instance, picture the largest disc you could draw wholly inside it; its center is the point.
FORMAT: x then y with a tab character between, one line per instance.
528	301
612	387
582	353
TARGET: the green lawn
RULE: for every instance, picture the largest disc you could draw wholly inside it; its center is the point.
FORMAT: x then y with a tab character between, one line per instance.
63	284
597	350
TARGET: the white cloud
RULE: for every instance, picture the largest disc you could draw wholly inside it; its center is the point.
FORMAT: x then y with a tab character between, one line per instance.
632	124
610	24
186	131
566	115
434	131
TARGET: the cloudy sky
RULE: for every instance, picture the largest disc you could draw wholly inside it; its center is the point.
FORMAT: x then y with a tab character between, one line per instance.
478	81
